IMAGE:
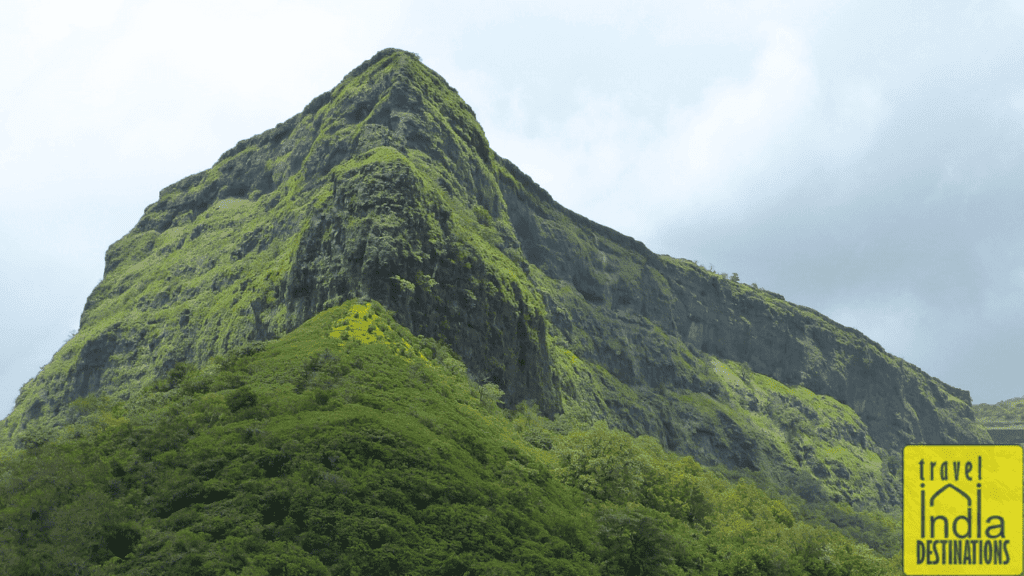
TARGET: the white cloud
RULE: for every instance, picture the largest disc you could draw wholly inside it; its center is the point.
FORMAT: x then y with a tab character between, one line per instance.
35	31
719	147
161	84
849	125
686	161
893	320
1017	105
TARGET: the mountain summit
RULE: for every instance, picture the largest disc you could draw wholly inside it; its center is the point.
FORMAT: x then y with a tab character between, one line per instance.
385	188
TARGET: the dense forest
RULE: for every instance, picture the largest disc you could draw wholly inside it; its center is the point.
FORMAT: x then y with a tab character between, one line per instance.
350	446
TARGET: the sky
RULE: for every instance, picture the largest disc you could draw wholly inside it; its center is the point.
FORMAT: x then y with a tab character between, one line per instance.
865	159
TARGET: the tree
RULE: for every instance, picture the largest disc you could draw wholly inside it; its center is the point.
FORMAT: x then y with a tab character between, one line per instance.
637	541
606	463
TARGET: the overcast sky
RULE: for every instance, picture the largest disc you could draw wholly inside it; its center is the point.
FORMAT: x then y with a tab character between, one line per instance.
863	159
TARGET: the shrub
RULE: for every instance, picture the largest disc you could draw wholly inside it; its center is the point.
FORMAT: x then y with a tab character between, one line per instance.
241	398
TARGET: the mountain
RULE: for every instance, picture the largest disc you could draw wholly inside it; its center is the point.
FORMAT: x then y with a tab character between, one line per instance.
385	188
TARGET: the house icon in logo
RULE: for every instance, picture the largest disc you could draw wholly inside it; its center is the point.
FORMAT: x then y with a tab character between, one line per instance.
953	486
951	491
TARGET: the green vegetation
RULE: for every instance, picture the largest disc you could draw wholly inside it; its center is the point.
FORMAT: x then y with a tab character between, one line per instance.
1005	414
351	446
1004	421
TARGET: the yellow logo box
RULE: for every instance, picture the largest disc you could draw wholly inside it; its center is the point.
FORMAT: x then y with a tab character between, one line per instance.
963	509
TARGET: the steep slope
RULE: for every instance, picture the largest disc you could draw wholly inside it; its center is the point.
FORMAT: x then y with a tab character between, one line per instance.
385	187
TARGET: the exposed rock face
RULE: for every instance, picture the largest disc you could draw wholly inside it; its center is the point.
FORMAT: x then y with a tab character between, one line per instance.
625	286
385	187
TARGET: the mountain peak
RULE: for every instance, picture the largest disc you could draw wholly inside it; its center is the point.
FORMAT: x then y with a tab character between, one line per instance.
393	90
395	56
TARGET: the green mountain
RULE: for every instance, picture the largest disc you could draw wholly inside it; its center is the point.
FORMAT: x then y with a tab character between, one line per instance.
385	188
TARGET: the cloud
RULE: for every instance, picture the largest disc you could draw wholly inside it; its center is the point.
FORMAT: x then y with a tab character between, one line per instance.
1016	104
169	83
893	319
686	160
719	147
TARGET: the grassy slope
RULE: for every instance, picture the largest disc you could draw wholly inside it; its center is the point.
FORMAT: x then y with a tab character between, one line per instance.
352	446
1004	420
1005	414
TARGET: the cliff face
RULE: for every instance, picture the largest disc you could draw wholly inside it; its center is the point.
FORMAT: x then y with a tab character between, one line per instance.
386	188
623	286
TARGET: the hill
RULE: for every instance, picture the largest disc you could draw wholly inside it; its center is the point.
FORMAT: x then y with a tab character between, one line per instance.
385	188
1004	421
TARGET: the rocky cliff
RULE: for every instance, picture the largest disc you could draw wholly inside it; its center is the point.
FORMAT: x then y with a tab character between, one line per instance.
386	188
